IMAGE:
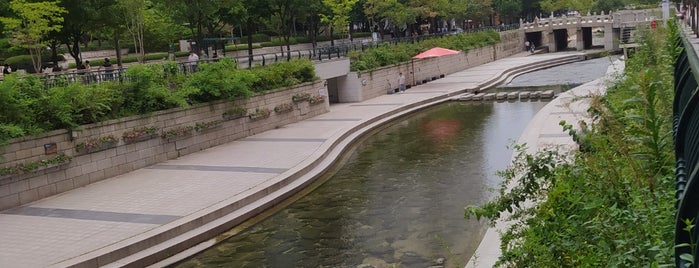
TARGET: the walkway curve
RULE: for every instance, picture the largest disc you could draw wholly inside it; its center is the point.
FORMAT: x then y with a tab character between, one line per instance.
144	216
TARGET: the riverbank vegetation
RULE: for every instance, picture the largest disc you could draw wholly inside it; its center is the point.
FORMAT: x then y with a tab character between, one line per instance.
612	203
388	54
27	107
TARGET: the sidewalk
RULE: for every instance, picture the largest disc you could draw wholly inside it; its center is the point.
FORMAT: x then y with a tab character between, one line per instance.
146	215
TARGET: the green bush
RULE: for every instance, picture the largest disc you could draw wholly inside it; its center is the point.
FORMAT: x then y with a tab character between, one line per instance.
24	62
241	47
612	205
77	104
283	74
147	90
386	54
220	80
256	38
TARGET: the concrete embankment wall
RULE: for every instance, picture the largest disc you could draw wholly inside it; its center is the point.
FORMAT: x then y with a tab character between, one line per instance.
359	86
85	168
20	188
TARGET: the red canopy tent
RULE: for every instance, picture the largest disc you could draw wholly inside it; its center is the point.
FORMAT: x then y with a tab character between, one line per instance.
432	53
436	52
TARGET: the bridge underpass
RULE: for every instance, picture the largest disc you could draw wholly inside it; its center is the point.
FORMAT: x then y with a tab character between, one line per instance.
563	33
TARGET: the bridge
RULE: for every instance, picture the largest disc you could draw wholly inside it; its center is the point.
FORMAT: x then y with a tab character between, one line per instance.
556	33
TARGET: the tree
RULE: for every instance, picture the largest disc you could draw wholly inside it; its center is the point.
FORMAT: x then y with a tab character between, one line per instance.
391	12
339	17
32	24
479	10
133	11
583	6
84	17
508	10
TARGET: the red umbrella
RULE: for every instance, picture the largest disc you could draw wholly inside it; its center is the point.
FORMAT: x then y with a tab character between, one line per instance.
436	52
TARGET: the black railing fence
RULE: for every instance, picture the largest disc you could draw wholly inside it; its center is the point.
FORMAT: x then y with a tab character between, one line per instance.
320	53
686	136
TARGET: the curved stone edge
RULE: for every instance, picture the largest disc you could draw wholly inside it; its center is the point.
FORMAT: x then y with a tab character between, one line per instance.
170	239
488	250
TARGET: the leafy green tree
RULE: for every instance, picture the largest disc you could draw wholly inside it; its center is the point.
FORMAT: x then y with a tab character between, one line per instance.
508	10
84	17
133	17
479	10
339	18
392	11
255	10
32	24
583	6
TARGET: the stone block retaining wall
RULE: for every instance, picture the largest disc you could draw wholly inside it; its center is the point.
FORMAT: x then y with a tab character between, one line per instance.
86	168
380	81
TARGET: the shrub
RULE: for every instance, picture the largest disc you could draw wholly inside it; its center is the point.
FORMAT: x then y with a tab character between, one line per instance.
24	62
386	54
256	38
77	104
146	90
284	74
220	80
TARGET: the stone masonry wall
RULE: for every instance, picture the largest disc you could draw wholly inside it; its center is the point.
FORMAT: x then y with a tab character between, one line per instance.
383	80
86	168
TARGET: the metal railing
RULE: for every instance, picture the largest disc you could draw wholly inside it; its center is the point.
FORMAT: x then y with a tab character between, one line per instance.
247	61
686	136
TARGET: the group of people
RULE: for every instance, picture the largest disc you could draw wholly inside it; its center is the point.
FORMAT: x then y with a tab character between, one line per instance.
6	69
193	59
85	69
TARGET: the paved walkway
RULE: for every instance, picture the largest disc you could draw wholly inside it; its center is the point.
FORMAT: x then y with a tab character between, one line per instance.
142	216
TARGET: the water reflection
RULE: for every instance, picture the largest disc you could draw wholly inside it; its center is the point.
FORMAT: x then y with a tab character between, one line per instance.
398	199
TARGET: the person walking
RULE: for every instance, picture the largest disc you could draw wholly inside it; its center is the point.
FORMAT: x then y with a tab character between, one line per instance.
6	69
401	82
192	61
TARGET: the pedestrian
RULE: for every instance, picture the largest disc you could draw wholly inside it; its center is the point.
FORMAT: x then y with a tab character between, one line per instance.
401	82
6	69
683	14
526	45
108	72
192	61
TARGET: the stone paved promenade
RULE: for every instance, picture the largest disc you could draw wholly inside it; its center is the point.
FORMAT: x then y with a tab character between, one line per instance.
141	217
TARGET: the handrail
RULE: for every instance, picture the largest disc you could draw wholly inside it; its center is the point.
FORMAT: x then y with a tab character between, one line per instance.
686	136
320	53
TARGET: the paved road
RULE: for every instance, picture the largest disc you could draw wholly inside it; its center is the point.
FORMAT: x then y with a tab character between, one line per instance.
122	220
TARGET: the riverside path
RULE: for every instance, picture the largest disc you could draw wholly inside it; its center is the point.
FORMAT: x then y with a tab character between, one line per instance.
147	215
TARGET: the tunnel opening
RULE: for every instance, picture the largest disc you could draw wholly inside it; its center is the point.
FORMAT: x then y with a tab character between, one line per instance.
561	39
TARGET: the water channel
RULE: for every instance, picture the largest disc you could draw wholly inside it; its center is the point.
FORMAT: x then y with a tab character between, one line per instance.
398	199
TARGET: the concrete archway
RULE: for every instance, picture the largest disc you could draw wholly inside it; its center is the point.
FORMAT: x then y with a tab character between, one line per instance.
535	37
560	38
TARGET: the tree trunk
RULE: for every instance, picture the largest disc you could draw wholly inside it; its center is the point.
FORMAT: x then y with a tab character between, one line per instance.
118	48
332	36
250	27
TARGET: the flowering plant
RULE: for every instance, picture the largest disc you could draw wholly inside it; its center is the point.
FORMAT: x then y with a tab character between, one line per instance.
178	132
316	99
96	144
235	112
260	113
136	133
21	168
199	126
284	107
299	97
